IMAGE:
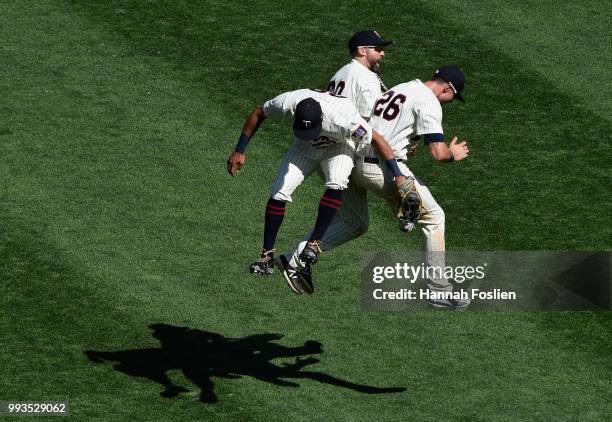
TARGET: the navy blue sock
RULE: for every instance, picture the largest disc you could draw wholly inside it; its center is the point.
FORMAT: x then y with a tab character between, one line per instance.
328	207
275	211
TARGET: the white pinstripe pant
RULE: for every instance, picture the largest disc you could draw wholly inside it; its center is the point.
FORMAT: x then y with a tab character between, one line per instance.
352	219
301	160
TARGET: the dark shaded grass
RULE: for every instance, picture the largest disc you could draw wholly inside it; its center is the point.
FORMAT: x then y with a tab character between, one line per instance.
118	180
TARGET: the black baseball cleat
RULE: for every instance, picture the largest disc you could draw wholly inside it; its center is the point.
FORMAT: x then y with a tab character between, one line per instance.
311	252
449	303
290	274
305	276
265	264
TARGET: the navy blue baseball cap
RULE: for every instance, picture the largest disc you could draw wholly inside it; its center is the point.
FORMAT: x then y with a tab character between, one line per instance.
366	39
307	119
455	78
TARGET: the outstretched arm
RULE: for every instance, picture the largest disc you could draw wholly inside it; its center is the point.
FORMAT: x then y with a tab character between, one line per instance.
236	160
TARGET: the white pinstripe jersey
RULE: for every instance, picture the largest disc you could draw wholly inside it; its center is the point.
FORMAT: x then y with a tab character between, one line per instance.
341	120
404	111
359	84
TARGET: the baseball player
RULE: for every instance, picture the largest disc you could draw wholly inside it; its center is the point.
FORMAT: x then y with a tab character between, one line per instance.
359	80
328	129
404	112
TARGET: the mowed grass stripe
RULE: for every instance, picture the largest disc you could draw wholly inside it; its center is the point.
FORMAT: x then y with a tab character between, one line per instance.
333	318
553	40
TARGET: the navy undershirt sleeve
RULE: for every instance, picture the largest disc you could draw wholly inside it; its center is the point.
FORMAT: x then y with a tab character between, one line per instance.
428	138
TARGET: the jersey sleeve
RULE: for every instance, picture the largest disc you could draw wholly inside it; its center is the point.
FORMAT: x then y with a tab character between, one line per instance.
428	117
361	132
282	105
367	95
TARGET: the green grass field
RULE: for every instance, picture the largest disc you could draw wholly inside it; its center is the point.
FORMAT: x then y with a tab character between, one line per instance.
116	119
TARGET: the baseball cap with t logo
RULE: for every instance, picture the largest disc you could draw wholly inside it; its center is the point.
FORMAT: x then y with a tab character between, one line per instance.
308	119
454	77
369	39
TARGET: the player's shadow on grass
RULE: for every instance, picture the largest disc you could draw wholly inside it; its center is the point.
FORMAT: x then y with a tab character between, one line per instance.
201	355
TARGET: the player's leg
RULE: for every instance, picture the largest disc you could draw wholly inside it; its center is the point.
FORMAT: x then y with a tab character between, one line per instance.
350	222
352	219
336	164
432	222
377	177
431	217
295	166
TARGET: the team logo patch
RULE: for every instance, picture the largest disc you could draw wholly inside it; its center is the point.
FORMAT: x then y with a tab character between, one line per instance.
359	133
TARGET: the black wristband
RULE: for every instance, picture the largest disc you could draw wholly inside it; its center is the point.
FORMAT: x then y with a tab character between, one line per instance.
392	163
242	143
